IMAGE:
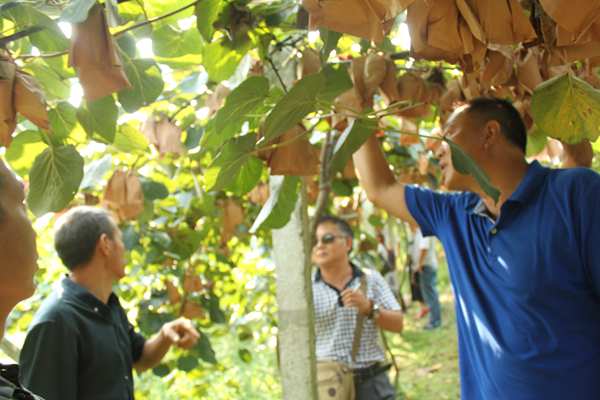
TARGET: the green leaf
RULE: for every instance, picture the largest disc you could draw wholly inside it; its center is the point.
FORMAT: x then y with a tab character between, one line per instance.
567	108
23	150
146	81
247	177
154	190
228	163
62	119
53	85
193	136
279	206
207	12
95	171
330	40
216	314
24	16
54	179
350	140
337	81
245	355
295	105
239	103
187	363
536	141
465	165
161	370
77	11
169	41
129	139
220	62
341	188
204	349
99	117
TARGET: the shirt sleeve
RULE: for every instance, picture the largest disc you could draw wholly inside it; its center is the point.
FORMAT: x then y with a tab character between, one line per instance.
49	361
428	208
382	294
137	343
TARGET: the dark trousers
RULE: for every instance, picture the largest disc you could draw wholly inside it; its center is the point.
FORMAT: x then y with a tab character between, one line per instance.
377	387
429	290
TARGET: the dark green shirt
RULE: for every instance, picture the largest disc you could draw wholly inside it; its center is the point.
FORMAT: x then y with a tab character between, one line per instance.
79	348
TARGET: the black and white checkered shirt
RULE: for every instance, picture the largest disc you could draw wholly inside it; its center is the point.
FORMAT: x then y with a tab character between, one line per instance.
335	324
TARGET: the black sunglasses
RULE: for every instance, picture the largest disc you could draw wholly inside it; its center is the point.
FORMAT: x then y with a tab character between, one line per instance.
328	238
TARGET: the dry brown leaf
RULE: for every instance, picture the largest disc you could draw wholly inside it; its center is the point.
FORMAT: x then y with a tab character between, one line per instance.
168	138
528	71
374	72
502	22
8	117
411	87
312	188
192	282
298	158
574	16
29	100
349	171
389	86
232	216
259	194
216	99
348	104
172	293
311	62
192	310
421	15
124	195
576	52
94	56
497	71
369	19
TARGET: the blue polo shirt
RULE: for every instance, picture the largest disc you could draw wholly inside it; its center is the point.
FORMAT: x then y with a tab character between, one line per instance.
527	285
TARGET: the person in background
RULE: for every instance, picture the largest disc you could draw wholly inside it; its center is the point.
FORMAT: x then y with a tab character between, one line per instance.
17	267
338	300
425	264
80	344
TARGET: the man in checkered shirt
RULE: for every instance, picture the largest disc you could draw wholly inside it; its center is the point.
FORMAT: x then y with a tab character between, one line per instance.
338	301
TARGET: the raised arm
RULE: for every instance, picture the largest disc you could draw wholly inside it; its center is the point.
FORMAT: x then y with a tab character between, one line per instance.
379	183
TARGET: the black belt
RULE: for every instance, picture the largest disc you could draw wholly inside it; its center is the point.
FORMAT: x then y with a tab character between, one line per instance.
364	374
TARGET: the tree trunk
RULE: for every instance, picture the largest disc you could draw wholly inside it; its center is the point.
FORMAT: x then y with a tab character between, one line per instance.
294	298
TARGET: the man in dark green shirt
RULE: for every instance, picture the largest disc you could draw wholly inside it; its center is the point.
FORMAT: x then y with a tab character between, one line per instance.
17	267
81	344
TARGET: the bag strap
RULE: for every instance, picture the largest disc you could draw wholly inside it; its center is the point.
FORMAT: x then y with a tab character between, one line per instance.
359	320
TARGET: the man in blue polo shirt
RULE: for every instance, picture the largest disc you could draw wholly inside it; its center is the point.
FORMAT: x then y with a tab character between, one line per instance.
525	272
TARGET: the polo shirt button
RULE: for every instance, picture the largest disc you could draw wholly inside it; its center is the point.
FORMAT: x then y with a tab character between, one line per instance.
489	249
494	231
126	378
95	309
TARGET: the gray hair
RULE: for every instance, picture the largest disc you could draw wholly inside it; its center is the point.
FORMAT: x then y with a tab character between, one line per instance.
78	232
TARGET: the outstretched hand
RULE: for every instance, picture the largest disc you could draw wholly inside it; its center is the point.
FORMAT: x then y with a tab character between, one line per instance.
181	332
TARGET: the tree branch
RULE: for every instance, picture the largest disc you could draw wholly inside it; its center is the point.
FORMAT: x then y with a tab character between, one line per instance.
277	73
324	182
116	34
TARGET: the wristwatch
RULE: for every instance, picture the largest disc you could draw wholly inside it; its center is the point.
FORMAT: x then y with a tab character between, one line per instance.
375	311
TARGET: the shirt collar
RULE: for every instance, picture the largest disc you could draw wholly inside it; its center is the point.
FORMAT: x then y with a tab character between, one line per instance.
530	183
527	187
356	272
80	295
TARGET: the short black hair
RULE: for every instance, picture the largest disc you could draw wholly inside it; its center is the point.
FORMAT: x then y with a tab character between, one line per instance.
502	111
78	233
342	225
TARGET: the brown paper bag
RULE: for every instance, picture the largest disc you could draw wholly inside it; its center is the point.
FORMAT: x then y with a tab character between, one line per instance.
298	158
528	71
260	194
310	62
94	56
574	16
124	195
29	100
232	216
